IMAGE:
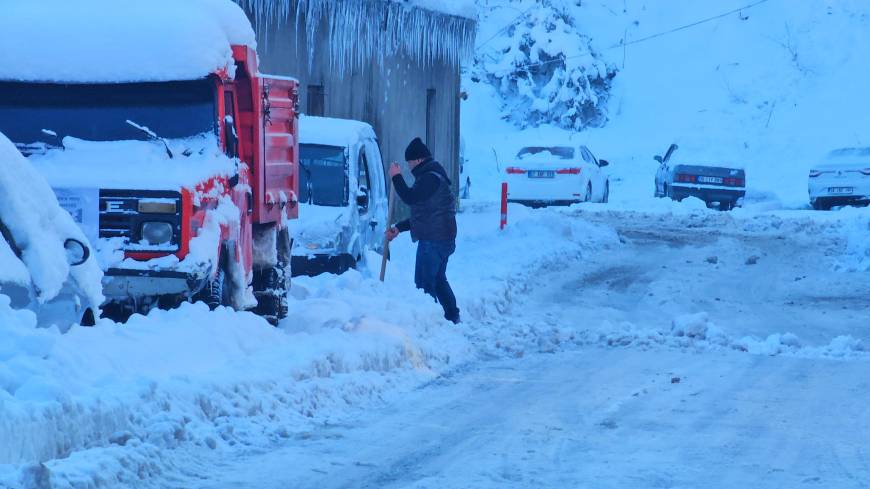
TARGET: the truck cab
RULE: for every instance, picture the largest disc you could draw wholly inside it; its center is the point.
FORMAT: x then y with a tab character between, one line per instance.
185	183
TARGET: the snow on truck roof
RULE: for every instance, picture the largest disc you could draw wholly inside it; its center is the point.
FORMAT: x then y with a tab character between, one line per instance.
333	132
106	41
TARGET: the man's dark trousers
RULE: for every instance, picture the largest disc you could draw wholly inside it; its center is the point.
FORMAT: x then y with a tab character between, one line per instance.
430	273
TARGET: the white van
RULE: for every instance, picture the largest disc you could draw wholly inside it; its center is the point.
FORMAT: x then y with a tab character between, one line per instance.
342	196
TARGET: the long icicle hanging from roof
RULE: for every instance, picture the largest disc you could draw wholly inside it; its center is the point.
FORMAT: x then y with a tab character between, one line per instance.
370	30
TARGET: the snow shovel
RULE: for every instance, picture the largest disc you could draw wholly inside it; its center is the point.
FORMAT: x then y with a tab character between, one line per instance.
392	207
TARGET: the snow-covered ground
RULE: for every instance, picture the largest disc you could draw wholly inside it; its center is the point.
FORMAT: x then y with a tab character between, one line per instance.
617	302
640	343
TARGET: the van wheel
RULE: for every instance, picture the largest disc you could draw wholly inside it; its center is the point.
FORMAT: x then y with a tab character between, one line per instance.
272	282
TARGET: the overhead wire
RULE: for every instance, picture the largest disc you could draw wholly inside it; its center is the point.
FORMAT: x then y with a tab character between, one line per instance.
623	44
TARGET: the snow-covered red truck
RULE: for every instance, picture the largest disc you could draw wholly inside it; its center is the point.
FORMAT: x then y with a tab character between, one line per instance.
158	133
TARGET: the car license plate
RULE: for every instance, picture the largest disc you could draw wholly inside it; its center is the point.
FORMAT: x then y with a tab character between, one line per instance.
713	180
542	174
841	190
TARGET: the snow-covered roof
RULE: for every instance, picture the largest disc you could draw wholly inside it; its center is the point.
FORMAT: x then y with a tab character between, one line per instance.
39	226
333	132
360	31
109	41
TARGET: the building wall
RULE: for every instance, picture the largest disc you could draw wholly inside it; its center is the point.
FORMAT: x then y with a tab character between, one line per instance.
391	96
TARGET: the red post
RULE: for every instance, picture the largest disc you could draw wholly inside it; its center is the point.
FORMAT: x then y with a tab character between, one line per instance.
503	205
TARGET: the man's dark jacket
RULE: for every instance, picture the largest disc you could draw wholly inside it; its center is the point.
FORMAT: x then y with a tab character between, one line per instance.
433	208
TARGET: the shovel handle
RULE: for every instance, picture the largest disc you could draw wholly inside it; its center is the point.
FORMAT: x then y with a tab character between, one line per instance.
392	206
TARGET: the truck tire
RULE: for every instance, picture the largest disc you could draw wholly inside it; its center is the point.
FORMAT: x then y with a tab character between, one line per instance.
214	292
272	281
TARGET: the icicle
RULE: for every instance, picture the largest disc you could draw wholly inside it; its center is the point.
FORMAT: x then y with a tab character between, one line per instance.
361	31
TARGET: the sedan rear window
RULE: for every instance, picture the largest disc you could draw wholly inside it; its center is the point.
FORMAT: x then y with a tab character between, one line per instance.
560	152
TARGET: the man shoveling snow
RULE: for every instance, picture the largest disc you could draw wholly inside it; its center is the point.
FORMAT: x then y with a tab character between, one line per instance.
432	223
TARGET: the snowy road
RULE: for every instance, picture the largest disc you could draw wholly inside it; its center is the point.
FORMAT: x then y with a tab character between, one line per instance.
655	416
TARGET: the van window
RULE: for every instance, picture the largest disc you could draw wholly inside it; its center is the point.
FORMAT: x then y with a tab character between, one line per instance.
363	179
322	175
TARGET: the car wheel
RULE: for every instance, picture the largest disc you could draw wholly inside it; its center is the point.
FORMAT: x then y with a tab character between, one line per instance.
606	197
820	205
588	197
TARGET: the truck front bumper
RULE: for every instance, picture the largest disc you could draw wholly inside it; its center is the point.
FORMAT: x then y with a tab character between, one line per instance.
121	284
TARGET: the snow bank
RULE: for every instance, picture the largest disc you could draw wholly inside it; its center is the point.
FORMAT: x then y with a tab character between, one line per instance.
40	227
107	406
140	40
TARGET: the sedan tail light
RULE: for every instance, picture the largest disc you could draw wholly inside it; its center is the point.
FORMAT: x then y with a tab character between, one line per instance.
569	171
512	170
683	178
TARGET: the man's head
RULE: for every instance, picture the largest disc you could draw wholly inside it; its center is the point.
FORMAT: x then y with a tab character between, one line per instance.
416	153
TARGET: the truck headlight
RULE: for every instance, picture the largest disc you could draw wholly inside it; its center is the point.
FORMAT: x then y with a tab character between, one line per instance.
156	233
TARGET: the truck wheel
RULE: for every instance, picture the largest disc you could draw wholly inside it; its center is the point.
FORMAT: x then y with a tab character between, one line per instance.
214	291
272	281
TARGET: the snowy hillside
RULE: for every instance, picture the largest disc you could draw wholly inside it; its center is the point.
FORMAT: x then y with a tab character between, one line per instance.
772	87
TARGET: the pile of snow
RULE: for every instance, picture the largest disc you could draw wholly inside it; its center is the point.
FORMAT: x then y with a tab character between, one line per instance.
134	164
697	332
544	68
857	232
110	405
142	40
333	132
39	227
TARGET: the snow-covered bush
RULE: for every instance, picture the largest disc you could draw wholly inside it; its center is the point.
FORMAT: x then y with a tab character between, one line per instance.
546	70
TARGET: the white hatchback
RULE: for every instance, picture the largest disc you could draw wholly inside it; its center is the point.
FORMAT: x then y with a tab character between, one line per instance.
557	175
843	179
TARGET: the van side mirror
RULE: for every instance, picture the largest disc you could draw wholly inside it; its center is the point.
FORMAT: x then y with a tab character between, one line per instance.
362	198
603	162
658	158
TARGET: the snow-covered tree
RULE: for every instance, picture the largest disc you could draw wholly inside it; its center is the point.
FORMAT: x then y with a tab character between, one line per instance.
546	71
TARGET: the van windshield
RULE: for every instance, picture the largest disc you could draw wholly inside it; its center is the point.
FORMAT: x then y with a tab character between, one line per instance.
98	112
560	152
323	175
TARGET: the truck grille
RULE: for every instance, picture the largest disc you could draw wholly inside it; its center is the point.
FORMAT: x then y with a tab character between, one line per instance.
120	217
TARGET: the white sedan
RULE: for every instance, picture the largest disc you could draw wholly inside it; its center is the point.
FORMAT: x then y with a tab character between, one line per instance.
843	179
557	175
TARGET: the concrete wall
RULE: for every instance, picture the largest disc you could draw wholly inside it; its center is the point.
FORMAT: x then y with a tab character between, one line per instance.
391	96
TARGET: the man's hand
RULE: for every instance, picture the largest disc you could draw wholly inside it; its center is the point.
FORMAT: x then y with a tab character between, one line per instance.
395	169
391	233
